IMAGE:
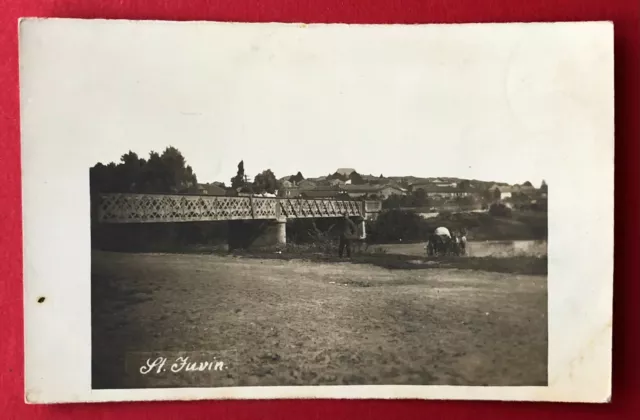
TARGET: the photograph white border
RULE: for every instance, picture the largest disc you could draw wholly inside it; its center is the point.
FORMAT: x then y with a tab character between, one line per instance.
57	251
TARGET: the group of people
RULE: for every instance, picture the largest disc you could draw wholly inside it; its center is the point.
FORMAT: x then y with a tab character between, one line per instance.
444	241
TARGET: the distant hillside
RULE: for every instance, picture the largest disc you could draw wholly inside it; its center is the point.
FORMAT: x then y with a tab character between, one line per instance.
404	181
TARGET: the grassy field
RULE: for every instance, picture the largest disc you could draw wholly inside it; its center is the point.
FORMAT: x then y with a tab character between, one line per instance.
295	321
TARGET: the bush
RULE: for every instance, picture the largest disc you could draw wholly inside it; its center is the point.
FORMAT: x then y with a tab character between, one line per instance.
303	231
399	225
540	205
446	215
500	210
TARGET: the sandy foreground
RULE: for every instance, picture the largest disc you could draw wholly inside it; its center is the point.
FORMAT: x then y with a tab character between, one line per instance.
276	322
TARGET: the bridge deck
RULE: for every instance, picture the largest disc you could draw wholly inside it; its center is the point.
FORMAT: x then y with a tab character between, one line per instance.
159	208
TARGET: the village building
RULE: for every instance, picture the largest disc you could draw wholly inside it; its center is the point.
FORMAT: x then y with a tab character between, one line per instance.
306	184
501	192
210	189
381	191
433	191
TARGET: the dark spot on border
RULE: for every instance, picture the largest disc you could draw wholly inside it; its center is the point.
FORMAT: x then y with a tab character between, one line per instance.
41	299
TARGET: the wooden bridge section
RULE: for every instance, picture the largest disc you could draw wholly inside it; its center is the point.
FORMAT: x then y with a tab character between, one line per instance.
163	208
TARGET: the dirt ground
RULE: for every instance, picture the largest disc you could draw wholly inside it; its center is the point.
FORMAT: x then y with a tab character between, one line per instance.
278	322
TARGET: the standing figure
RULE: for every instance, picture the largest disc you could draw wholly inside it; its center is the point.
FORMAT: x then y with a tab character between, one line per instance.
463	242
347	235
430	246
455	243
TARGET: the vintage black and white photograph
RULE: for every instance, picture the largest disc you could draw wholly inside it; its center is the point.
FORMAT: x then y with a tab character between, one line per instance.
288	205
342	278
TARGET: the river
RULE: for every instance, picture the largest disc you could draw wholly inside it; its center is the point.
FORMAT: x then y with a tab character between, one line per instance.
477	248
435	214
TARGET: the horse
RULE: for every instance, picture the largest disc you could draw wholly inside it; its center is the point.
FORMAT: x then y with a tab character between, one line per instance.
438	245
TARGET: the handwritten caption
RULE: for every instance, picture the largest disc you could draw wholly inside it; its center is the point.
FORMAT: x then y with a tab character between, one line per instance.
161	364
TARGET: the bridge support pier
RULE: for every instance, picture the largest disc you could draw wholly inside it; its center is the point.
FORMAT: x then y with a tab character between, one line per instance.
363	229
282	231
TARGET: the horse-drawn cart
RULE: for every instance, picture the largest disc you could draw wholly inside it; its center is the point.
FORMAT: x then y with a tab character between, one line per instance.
443	243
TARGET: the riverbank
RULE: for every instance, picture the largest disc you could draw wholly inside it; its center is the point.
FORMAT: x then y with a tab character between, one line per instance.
296	322
387	256
406	226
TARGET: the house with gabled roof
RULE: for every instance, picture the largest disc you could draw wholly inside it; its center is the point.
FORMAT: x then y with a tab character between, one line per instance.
381	191
210	189
435	191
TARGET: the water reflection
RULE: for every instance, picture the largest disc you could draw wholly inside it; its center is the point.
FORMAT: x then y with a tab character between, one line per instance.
479	248
506	248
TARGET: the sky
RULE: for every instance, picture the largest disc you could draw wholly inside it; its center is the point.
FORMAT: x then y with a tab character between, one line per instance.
464	101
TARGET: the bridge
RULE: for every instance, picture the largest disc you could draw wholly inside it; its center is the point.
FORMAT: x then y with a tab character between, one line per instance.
171	208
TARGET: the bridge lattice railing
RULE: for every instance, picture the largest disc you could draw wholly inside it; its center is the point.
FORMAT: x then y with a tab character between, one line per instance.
150	208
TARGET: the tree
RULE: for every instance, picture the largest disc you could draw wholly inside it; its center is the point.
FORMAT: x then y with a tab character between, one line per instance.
166	173
99	179
153	177
393	202
337	175
527	184
466	200
543	186
296	178
265	182
130	170
500	210
419	198
487	195
247	188
464	185
356	178
238	181
395	225
496	194
178	176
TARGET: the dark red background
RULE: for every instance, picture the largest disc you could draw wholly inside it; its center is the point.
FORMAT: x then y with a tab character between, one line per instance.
626	372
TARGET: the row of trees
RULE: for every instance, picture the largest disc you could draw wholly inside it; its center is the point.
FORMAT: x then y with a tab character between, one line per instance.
500	223
354	177
160	173
167	172
264	182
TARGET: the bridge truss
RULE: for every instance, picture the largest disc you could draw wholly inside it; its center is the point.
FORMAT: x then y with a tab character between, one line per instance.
159	208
